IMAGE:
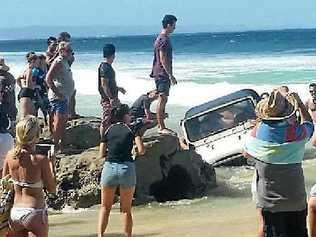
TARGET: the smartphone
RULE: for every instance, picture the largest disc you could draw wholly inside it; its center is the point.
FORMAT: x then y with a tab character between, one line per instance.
43	149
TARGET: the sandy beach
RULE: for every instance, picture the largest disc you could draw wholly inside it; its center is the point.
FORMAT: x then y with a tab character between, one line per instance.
242	222
228	209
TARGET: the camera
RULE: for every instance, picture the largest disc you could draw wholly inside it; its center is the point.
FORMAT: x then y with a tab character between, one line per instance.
43	149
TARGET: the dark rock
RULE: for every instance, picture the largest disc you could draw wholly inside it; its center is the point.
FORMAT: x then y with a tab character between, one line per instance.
163	173
82	133
168	174
78	180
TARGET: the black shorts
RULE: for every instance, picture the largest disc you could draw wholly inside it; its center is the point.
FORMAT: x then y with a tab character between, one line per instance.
163	86
285	224
26	92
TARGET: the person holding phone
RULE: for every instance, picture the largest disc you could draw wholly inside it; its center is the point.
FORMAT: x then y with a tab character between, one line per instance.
31	173
119	168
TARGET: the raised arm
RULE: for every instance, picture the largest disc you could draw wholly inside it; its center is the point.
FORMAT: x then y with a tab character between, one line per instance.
18	80
306	117
50	77
306	105
140	145
103	149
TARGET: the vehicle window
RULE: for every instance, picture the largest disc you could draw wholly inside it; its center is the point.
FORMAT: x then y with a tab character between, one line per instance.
220	120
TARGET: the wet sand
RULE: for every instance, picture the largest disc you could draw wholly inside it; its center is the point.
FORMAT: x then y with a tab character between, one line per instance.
227	211
164	221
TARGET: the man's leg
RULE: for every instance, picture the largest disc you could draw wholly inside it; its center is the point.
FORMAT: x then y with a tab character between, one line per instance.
59	126
106	118
275	224
297	224
72	106
51	121
312	213
161	106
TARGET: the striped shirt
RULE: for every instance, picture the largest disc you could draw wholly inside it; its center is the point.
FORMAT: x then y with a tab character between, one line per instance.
278	149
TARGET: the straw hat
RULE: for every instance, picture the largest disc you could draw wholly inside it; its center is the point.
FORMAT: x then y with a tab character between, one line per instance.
3	66
278	106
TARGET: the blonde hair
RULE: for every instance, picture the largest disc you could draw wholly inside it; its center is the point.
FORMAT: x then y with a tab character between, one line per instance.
27	133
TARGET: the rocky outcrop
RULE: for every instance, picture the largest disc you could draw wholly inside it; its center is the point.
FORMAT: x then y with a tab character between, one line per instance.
163	173
78	180
166	173
80	134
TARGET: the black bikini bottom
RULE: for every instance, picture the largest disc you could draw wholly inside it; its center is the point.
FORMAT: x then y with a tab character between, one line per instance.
26	92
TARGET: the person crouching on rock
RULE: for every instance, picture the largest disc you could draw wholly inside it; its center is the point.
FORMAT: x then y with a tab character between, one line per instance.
31	173
118	169
141	115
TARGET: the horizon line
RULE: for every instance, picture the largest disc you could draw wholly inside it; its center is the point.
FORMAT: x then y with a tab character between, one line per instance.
151	34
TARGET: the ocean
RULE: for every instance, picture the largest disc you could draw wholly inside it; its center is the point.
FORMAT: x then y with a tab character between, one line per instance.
206	65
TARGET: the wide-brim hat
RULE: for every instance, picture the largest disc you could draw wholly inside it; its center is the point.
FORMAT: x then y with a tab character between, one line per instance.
278	106
3	66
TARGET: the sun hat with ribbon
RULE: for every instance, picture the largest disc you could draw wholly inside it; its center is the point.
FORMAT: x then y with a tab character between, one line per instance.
278	106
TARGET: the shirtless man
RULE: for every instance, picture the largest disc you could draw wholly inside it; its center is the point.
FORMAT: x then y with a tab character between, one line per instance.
66	37
27	83
61	87
311	107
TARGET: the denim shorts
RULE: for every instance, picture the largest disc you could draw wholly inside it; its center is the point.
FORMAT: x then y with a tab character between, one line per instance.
163	85
118	174
59	106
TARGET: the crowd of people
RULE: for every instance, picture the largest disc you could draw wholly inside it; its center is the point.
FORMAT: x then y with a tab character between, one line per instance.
46	84
276	144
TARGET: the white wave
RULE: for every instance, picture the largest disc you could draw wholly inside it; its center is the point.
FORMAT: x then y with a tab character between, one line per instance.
190	94
133	75
247	63
184	93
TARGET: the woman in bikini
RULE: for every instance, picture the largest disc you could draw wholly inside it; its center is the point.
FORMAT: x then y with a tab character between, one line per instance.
31	173
119	168
27	83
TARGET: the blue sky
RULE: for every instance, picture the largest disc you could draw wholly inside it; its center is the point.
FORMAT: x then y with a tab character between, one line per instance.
231	14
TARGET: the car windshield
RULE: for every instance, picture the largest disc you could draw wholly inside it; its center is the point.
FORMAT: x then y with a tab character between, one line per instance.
219	120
